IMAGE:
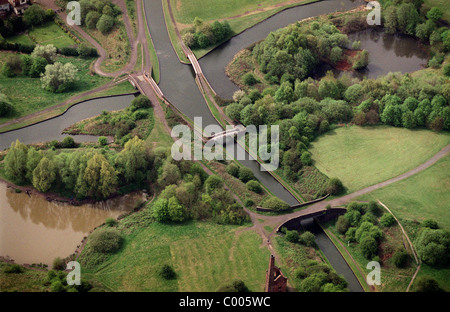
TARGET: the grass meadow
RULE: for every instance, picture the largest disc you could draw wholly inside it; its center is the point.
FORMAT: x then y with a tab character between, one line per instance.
204	256
363	156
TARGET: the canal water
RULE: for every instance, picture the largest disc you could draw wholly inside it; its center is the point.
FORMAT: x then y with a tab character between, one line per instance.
33	230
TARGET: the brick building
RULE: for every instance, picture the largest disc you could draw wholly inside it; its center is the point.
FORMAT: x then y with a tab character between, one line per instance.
275	280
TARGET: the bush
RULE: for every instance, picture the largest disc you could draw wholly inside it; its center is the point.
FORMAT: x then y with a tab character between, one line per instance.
335	186
105	24
446	70
374	209
342	225
387	220
106	240
275	203
111	222
212	183
139	115
429	223
400	259
369	247
254	186
103	141
140	102
57	286
361	60
233	170
68	142
5	106
14	269
433	246
307	239
235	286
292	236
427	284
58	264
300	273
249	79
245	174
167	272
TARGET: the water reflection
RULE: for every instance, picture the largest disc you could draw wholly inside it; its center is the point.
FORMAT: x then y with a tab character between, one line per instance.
33	230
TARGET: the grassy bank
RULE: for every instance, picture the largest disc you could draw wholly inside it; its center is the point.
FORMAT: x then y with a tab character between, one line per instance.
203	255
363	156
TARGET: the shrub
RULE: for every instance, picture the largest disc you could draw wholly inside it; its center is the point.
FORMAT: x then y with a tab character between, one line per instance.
246	174
167	272
374	208
429	223
427	284
254	186
140	102
369	247
92	19
111	222
212	183
233	170
292	236
106	240
59	264
68	142
307	239
275	203
235	286
249	79
5	106
400	259
387	220
361	60
57	286
335	186
14	269
433	246
342	225
103	141
48	52
105	24
139	115
300	273
58	77
446	70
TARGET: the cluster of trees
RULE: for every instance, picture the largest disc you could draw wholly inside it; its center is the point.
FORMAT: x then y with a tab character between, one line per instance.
433	244
203	35
99	14
195	196
295	51
312	276
359	224
246	176
90	173
408	18
35	15
55	76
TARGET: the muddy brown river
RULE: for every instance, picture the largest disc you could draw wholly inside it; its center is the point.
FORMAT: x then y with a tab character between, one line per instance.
33	230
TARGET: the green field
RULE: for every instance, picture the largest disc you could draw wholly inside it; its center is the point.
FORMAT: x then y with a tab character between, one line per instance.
423	196
27	95
204	256
49	33
363	156
442	4
186	10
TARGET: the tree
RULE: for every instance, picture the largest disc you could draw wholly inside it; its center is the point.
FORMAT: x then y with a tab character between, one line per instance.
34	15
275	203
292	236
427	284
176	211
361	60
353	93
170	174
167	272
105	240
342	224
369	247
249	79
105	23
335	55
5	106
429	223
306	158
400	259
37	67
335	186
44	175
100	177
133	161
407	18
433	246
434	14
254	186
233	170
390	19
212	183
16	162
160	210
308	239
387	220
92	19
58	77
234	111
246	174
48	52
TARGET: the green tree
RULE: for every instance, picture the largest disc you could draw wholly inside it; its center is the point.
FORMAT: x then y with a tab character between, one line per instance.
254	186
58	77
427	284
100	177
44	175
105	24
234	111
212	183
134	160
170	174
433	246
390	19
177	213
160	210
6	107
48	52
16	162
34	15
435	14
369	247
92	19
245	174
